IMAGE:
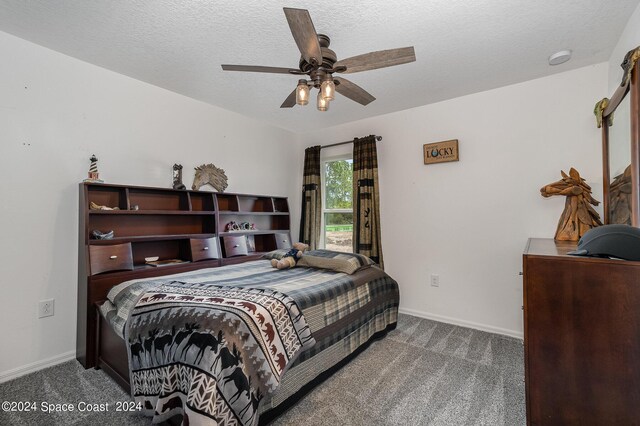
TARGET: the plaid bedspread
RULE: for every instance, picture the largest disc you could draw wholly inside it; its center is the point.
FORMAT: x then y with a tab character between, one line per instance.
343	311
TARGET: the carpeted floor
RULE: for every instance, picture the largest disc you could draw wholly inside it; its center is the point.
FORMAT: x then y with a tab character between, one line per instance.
422	373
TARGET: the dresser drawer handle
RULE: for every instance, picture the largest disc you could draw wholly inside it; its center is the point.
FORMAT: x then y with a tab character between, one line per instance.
284	241
113	257
205	248
236	246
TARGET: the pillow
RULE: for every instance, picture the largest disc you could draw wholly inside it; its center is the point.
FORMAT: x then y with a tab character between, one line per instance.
276	254
349	263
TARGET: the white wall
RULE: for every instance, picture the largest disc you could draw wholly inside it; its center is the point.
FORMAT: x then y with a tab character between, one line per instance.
55	112
469	221
630	39
466	221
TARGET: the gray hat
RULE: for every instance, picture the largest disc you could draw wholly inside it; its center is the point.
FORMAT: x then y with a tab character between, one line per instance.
618	241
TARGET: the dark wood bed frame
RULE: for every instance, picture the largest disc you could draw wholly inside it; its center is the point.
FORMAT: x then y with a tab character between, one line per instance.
170	224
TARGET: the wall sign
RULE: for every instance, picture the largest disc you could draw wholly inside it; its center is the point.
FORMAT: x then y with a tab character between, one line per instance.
441	152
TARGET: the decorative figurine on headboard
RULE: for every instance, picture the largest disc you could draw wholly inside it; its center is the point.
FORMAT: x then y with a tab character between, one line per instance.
210	174
290	259
93	171
177	177
578	216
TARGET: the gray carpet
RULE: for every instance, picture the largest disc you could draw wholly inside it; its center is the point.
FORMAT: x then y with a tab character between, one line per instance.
422	373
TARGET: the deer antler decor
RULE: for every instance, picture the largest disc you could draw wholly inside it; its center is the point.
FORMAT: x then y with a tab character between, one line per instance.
578	216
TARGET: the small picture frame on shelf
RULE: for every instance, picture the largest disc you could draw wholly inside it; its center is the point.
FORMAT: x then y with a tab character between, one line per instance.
251	243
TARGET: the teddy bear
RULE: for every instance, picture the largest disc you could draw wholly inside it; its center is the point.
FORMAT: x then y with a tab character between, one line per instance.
290	259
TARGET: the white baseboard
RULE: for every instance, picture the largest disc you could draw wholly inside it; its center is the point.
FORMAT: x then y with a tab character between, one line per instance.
14	373
463	323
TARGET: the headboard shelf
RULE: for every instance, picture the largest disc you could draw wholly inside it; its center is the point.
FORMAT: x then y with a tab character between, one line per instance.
149	212
229	212
119	240
168	224
259	232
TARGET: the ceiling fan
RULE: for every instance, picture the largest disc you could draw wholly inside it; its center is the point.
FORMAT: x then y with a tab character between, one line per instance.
319	63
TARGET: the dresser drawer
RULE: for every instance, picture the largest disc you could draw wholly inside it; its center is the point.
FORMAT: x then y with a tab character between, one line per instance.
235	246
283	241
204	248
114	257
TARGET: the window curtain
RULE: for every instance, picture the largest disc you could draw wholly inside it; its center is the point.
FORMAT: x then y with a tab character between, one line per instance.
366	206
311	198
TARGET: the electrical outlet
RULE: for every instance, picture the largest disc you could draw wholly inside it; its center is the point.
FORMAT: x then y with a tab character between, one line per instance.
45	308
435	280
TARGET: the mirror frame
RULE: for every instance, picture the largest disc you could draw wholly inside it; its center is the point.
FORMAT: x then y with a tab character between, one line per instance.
632	89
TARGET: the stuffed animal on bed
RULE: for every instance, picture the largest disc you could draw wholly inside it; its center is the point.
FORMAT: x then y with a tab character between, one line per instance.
290	259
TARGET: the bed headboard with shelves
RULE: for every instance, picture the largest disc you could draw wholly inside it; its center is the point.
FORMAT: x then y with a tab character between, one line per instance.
184	230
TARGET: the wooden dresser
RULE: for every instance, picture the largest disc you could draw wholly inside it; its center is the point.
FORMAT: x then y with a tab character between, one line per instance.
582	337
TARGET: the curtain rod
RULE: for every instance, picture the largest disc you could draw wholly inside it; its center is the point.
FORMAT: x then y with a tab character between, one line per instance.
378	138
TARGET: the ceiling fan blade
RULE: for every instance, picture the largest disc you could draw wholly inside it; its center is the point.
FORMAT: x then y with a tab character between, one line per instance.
290	102
252	68
379	59
353	91
304	34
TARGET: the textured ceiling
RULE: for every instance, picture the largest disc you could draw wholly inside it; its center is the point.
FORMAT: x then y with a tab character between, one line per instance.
461	46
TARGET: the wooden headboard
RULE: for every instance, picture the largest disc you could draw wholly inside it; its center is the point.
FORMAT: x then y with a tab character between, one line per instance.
187	226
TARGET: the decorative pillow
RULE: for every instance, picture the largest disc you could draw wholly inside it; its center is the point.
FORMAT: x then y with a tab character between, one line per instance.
349	263
276	254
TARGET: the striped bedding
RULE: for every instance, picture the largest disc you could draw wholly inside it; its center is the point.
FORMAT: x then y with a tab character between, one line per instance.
343	311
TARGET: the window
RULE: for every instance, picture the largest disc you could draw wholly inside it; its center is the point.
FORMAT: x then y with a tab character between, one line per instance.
337	208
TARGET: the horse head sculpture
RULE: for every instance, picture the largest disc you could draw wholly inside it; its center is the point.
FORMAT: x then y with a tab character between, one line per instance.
210	174
620	198
578	216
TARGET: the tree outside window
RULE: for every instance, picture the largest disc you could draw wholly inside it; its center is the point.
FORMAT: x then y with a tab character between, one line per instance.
338	213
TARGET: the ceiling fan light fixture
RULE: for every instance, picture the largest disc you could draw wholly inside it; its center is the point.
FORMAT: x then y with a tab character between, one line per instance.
302	93
319	63
328	88
323	103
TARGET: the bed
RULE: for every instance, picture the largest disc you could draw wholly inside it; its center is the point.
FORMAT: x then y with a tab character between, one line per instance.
335	315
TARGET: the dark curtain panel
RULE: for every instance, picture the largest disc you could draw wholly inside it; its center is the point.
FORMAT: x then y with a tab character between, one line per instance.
311	198
366	202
